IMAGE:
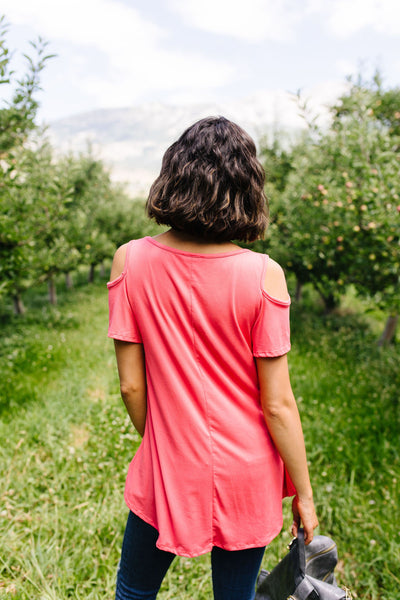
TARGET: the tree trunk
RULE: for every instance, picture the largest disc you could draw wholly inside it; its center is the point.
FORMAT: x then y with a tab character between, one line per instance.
19	307
299	290
91	274
330	302
68	281
389	331
52	291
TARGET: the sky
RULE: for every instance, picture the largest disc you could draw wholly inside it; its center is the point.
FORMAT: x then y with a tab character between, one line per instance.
120	53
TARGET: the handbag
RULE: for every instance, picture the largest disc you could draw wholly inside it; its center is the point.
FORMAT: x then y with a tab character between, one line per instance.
305	573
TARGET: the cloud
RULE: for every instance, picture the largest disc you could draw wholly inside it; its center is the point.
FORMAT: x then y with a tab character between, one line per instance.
116	54
250	21
277	20
93	22
347	17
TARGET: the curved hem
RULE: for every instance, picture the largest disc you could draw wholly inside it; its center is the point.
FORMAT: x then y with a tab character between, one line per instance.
115	281
180	551
276	300
122	275
124	337
272	353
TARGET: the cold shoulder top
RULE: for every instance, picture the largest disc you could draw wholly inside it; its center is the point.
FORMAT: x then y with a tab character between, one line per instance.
207	472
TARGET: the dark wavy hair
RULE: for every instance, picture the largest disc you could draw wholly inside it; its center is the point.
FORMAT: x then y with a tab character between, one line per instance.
211	184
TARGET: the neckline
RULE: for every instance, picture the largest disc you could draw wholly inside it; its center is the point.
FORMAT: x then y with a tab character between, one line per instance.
195	254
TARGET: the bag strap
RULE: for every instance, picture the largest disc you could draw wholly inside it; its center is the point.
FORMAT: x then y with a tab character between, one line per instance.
298	558
304	588
301	550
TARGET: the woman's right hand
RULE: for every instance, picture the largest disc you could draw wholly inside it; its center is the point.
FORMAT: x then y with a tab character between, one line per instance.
304	512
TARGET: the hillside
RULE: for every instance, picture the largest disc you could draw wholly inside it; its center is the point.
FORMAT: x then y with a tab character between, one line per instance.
132	140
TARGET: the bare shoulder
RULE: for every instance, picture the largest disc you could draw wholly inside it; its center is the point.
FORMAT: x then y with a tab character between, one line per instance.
118	262
275	281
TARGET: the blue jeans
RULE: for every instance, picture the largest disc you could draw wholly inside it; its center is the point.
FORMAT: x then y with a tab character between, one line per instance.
143	566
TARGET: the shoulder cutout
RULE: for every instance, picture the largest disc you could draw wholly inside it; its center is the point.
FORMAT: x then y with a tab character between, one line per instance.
118	262
275	281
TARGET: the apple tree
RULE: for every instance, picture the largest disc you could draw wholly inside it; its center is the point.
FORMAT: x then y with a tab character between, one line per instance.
17	120
338	215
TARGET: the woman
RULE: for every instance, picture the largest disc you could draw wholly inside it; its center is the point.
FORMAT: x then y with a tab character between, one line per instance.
201	330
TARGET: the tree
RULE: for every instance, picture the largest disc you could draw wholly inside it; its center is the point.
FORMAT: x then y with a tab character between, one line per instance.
17	120
17	117
338	219
47	188
55	214
383	106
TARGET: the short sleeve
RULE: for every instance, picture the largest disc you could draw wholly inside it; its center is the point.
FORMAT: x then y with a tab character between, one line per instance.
271	331
122	322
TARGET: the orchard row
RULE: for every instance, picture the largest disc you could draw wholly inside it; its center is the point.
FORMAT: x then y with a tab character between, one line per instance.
334	196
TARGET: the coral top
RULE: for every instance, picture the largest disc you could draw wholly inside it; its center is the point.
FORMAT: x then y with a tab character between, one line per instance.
207	472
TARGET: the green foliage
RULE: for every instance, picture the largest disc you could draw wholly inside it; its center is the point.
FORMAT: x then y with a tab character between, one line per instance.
347	390
17	118
278	160
56	214
59	215
382	104
336	220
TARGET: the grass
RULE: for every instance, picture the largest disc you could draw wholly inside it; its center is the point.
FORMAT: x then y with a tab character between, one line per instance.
349	391
66	444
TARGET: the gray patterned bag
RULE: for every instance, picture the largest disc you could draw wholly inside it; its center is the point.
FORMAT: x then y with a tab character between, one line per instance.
306	573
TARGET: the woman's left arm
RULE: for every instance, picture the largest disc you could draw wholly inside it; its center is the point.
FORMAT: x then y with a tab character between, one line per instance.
131	365
132	377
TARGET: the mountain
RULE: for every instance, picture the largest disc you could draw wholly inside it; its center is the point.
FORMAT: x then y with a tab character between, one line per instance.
131	141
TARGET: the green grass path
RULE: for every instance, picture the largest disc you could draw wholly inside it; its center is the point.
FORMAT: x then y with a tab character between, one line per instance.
66	443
